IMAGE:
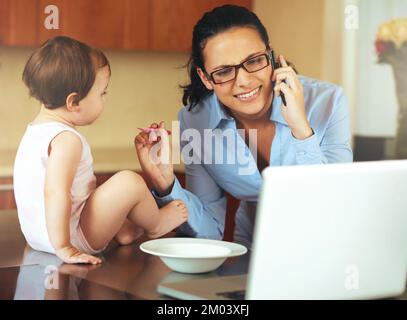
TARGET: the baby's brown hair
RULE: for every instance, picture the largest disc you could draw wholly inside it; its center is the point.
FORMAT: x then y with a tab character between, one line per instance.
62	66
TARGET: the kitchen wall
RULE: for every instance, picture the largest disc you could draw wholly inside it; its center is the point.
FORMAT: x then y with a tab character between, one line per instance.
144	85
295	29
308	32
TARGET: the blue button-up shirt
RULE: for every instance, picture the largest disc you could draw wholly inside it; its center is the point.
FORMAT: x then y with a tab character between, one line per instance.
207	181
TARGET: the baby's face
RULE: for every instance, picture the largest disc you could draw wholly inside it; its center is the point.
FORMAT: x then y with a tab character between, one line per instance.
92	105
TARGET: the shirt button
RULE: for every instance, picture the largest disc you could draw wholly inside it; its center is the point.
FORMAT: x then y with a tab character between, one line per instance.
301	153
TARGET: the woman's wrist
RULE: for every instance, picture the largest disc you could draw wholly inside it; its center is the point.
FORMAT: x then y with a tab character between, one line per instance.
303	133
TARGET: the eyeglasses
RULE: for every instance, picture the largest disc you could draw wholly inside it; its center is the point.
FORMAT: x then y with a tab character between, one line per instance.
251	65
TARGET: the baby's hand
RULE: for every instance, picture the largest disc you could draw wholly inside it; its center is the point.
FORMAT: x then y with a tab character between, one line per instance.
70	254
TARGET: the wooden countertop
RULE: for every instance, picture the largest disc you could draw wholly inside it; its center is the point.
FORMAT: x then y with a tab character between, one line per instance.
126	271
105	160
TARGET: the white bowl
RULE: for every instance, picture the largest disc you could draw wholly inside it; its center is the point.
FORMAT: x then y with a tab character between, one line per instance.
192	255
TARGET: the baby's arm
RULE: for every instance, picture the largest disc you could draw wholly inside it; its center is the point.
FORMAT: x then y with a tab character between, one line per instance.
64	154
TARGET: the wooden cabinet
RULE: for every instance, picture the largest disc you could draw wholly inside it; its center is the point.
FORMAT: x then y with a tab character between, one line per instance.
19	22
120	24
159	25
105	23
173	21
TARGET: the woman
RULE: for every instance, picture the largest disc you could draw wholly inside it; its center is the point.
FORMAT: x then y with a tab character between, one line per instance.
234	86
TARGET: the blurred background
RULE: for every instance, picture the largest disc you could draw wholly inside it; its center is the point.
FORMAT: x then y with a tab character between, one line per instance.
148	41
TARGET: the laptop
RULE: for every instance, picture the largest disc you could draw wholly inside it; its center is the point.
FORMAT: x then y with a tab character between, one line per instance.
334	231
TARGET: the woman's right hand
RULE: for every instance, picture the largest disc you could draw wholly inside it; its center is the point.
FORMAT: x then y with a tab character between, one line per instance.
158	170
70	254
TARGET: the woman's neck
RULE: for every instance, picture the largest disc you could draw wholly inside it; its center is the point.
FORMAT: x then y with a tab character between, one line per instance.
253	123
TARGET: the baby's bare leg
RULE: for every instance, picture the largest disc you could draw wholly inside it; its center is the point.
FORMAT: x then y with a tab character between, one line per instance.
169	217
125	195
128	233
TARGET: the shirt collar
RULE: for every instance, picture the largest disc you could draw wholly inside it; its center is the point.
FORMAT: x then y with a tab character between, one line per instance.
217	112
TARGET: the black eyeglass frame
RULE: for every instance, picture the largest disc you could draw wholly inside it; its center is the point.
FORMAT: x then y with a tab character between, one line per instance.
241	65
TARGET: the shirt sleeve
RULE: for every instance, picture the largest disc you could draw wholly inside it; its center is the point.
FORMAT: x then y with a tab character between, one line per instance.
205	200
334	147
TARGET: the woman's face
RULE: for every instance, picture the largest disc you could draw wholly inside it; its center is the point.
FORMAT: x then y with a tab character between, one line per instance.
248	96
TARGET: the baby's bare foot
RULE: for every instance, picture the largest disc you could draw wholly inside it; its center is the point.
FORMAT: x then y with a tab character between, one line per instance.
171	216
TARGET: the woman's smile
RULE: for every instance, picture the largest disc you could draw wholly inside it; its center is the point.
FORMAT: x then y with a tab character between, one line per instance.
249	96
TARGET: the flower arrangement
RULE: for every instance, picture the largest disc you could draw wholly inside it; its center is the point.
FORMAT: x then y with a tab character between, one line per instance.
391	41
391	48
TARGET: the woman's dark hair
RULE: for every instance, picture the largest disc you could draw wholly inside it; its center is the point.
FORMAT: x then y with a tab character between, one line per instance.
212	23
62	66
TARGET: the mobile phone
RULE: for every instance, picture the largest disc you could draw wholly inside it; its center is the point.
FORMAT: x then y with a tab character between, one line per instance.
275	64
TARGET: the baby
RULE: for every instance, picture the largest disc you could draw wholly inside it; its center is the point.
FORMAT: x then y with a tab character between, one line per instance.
59	207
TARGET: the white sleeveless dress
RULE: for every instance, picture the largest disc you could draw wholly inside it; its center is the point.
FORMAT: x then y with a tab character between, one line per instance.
29	182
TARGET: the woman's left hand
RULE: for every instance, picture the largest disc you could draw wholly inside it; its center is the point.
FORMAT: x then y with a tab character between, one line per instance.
294	112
